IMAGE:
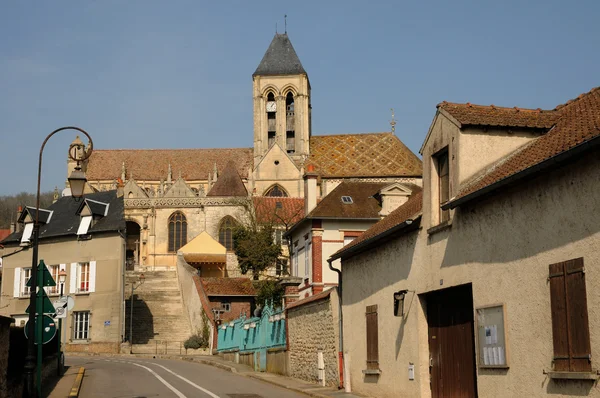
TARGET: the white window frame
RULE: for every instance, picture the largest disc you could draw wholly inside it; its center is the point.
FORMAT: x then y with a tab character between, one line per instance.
81	325
307	259
24	291
75	281
295	260
52	290
226	306
84	225
27	232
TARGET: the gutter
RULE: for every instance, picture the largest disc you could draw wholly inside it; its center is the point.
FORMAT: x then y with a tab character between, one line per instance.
528	172
341	323
362	246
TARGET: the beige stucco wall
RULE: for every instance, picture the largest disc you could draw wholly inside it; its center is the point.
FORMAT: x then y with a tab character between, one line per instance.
503	247
320	321
105	303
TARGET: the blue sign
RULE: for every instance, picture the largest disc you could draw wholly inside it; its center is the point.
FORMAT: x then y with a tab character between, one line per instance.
106	323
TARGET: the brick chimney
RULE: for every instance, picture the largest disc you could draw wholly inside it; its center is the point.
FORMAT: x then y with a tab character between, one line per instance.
290	285
310	189
120	186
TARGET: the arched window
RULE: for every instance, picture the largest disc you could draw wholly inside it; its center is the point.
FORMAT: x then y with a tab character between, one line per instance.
276	191
226	232
271	119
290	131
177	231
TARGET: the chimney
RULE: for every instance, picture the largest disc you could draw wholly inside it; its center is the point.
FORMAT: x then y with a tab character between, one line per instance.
13	227
120	185
310	189
18	224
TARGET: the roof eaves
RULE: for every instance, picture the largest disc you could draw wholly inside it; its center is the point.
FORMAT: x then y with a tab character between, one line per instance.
528	172
406	226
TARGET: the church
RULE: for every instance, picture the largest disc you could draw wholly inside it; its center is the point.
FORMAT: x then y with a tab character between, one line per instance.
172	196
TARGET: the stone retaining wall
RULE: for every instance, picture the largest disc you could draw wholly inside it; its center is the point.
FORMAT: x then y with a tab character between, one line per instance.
313	327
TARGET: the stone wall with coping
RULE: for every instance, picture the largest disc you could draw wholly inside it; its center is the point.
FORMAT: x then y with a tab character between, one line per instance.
313	327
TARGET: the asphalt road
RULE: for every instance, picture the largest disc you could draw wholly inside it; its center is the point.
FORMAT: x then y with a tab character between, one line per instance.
118	377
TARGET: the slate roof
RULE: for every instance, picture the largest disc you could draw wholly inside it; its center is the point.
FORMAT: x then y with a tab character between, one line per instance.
96	208
288	212
410	210
45	214
480	115
153	164
228	286
362	155
229	183
280	58
578	123
65	221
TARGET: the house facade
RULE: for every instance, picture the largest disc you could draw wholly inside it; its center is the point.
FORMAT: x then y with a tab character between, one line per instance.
483	285
85	239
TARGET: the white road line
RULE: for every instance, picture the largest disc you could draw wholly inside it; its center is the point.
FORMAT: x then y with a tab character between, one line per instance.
204	390
170	387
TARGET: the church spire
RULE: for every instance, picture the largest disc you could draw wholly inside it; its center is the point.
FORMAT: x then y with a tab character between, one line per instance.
280	58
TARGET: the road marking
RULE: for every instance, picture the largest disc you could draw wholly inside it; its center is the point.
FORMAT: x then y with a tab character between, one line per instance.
204	390
170	387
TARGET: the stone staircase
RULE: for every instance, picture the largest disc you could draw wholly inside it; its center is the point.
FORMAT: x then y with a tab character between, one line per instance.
160	323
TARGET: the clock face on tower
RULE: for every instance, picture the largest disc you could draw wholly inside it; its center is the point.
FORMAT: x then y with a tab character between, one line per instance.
271	106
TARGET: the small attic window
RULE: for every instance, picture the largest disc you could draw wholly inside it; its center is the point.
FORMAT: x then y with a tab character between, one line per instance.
347	200
84	225
26	237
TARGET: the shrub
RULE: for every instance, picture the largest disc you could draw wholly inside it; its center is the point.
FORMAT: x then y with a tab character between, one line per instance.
194	342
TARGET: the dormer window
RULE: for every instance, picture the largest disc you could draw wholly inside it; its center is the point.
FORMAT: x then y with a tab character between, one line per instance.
26	237
28	217
443	175
90	210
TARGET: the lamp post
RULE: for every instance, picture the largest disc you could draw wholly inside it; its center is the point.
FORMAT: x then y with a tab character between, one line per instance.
133	287
77	183
62	277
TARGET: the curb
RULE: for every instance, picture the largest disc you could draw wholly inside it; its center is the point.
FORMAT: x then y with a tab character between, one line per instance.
298	390
77	385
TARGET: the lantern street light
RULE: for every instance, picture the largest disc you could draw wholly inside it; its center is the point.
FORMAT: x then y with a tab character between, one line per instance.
77	182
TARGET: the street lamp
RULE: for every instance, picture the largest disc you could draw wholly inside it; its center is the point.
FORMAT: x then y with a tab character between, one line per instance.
62	277
142	278
77	192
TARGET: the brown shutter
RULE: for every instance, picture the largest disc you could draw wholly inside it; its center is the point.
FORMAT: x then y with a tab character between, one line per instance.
570	328
372	338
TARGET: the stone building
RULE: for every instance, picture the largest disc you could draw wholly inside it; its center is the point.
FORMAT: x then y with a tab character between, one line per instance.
485	283
173	195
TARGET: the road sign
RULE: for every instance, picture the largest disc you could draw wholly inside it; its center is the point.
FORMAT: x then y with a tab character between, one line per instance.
60	306
70	303
47	279
47	306
48	329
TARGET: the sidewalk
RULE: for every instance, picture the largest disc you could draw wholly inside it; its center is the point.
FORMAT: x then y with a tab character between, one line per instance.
290	383
60	387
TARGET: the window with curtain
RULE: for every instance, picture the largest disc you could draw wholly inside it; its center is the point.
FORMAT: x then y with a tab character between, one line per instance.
226	232
177	231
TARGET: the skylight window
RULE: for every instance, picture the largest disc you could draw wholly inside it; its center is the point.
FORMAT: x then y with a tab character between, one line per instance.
347	200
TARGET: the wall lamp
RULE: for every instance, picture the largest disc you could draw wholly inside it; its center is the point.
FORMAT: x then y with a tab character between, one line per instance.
399	302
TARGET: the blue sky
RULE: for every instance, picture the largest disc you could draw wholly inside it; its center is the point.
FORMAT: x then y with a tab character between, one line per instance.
178	74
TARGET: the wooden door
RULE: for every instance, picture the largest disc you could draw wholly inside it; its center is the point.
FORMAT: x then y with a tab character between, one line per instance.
451	343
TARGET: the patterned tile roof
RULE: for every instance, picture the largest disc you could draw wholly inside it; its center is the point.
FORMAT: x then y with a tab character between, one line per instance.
579	122
229	183
282	211
408	211
153	164
362	155
481	115
228	286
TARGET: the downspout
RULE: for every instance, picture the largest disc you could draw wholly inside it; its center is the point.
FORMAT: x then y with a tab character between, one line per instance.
123	311
341	323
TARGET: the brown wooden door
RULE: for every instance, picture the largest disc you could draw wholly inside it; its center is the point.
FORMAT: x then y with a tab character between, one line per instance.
451	343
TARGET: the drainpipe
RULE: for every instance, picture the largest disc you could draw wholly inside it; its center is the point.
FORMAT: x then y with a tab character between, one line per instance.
341	324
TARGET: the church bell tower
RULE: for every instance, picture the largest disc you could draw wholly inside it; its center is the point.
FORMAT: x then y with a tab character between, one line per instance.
281	92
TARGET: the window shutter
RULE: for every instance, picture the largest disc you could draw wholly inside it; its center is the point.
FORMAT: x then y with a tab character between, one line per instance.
92	276
570	328
17	283
372	338
73	278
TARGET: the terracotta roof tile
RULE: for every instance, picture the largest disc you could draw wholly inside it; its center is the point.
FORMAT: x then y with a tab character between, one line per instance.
228	286
409	210
229	183
4	233
363	205
286	211
316	297
362	155
481	115
153	164
579	122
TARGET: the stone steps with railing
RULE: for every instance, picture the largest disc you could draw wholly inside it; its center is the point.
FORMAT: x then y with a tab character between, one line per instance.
158	312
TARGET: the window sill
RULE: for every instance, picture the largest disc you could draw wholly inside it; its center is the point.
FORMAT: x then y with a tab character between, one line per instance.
85	341
573	375
440	227
371	372
82	293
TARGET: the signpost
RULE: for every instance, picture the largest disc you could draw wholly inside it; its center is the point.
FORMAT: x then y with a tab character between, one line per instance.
44	278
